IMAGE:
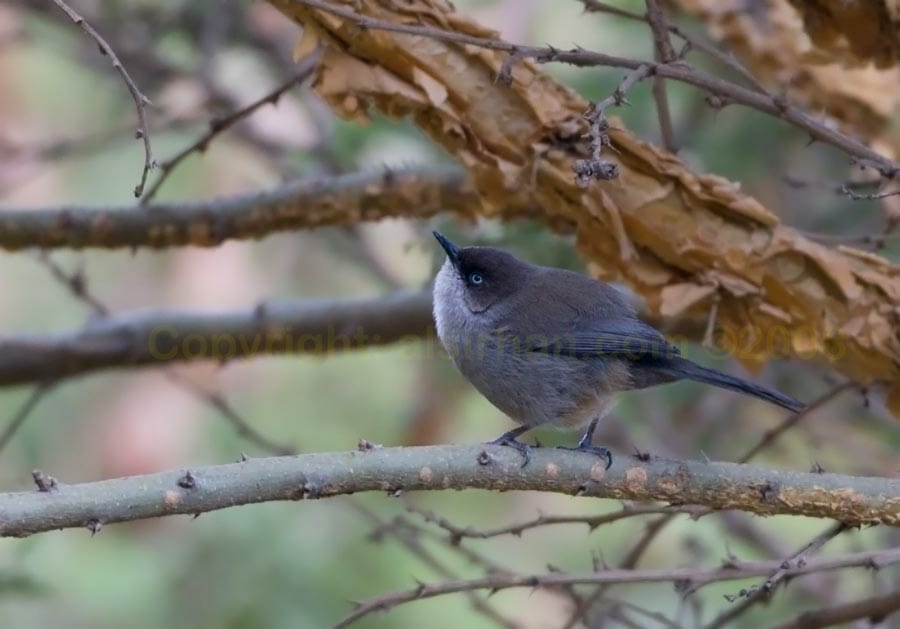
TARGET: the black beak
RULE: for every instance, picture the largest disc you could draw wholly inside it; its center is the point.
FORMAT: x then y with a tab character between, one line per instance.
451	249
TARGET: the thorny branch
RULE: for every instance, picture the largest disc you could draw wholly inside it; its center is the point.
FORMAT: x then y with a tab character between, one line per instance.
853	500
756	594
701	576
140	100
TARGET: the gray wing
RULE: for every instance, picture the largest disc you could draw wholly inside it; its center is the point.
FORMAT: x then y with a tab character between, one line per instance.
626	339
576	316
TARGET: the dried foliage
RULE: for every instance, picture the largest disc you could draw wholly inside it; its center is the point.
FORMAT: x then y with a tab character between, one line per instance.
819	69
682	240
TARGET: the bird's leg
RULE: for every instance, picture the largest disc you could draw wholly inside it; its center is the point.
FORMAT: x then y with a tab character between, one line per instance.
509	439
584	444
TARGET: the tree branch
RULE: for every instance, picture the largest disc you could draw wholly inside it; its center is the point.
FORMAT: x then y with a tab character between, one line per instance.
340	200
852	500
163	337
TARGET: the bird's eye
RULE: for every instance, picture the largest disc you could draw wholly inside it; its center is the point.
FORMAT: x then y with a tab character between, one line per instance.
476	278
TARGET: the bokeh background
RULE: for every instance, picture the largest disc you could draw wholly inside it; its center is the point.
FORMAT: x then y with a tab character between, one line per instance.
66	137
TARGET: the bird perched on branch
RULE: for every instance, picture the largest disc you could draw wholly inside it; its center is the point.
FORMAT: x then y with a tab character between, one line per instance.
551	347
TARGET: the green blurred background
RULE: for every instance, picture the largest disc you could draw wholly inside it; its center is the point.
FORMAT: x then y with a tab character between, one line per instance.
300	564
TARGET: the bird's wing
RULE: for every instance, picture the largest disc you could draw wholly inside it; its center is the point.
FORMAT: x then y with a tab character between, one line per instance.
628	339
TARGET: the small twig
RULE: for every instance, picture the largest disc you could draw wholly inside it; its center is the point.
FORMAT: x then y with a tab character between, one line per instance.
859	196
457	533
875	609
219	125
663	53
243	428
725	58
140	100
75	283
762	592
596	167
24	411
770	436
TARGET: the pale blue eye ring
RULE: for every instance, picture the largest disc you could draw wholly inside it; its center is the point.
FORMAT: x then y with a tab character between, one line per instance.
476	279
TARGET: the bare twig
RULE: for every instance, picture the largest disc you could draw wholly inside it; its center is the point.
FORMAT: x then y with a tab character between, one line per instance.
770	436
873	196
75	283
757	594
24	411
456	533
595	167
683	575
726	59
219	125
875	609
663	53
140	100
851	499
243	427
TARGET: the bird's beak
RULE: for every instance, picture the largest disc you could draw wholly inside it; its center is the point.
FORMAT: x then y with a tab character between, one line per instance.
451	249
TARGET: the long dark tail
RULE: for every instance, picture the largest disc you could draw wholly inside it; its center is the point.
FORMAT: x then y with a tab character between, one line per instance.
692	371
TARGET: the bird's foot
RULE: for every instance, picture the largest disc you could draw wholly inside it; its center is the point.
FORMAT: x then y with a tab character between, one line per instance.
600	451
509	439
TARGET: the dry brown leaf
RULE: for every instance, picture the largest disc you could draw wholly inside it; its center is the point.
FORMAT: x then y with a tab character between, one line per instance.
818	73
866	30
668	232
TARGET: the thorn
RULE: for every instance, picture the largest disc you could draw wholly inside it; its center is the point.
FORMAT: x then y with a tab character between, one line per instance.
243	458
395	493
366	446
187	481
44	482
94	526
484	458
309	491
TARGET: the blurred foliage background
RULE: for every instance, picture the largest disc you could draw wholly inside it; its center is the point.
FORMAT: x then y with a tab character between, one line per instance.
66	137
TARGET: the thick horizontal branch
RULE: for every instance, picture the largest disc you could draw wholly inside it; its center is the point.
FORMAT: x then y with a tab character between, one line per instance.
165	336
339	200
854	500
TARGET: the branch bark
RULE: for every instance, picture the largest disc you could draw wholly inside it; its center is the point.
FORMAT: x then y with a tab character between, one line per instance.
162	337
340	200
853	500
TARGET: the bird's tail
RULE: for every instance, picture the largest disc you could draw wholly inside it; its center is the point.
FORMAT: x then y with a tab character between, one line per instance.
692	371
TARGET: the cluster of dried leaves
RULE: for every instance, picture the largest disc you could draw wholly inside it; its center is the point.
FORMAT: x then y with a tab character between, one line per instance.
822	52
688	243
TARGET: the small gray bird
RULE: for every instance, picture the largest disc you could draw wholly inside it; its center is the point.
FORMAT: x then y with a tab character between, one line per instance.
550	347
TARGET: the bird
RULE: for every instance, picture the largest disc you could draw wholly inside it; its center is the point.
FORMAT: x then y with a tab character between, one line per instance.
552	347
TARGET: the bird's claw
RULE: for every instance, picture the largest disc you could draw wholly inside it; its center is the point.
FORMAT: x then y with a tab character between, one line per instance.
600	451
523	448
